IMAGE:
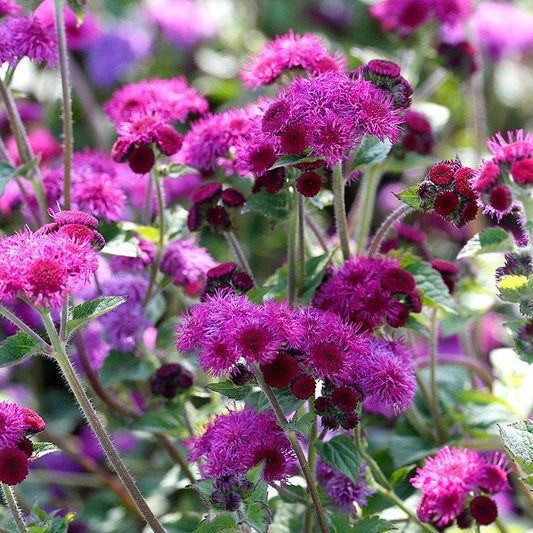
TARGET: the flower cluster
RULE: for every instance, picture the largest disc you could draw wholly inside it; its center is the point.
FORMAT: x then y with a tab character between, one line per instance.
367	292
447	190
502	180
227	276
458	482
169	379
234	442
288	53
16	422
51	263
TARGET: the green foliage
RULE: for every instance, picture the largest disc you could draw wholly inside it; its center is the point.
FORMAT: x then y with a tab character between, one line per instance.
40	449
6	173
410	197
120	366
273	206
371	152
522	340
18	347
81	314
169	420
230	390
518	442
340	453
39	522
488	241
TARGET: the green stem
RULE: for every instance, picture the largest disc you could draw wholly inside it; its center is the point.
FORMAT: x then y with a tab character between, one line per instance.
68	138
414	419
24	149
339	209
389	494
311	459
25	328
317	232
291	256
161	238
435	407
501	526
386	226
291	435
11	502
98	428
238	253
301	243
365	206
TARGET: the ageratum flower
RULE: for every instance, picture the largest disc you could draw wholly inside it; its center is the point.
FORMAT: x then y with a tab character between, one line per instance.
46	267
289	52
238	440
449	479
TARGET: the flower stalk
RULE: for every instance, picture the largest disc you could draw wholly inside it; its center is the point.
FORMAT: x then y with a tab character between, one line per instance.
11	502
339	208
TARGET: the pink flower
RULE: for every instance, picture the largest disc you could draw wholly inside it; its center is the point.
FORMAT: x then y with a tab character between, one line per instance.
287	52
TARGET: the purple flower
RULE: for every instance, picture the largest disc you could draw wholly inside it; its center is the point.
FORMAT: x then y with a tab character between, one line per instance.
28	36
288	52
387	378
341	490
238	440
12	424
186	262
9	7
182	22
147	252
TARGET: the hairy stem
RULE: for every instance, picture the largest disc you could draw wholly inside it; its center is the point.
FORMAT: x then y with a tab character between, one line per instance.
291	435
25	328
386	226
435	407
291	256
11	502
238	252
317	232
98	428
68	138
365	206
339	208
301	243
161	238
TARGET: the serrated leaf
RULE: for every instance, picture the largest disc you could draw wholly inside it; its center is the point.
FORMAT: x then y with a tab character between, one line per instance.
18	347
340	453
177	170
429	282
6	173
87	311
371	151
288	160
372	524
125	244
523	343
40	449
148	233
120	366
488	241
204	487
303	424
518	441
410	197
285	398
258	516
221	522
229	389
171	422
266	204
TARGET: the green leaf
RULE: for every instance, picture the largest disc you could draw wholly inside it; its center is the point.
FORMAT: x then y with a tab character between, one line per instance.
125	244
120	366
171	422
315	269
371	151
87	311
148	233
523	342
204	487
488	241
518	441
429	282
222	522
372	524
266	204
303	424
407	449
229	389
258	516
285	398
177	170
40	449
78	6
288	160
18	347
340	453
401	473
410	197
6	173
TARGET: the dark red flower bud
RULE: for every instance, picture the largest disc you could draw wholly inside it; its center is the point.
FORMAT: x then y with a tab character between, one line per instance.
303	387
141	159
207	193
13	466
484	510
281	371
232	197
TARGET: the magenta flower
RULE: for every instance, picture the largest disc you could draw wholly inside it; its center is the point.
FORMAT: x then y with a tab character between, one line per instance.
170	100
186	263
288	52
27	36
238	440
387	378
9	7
